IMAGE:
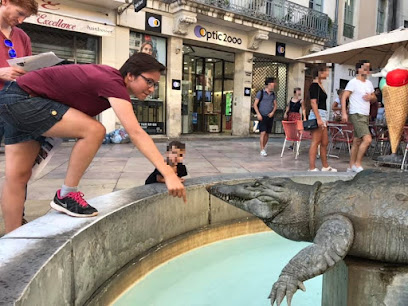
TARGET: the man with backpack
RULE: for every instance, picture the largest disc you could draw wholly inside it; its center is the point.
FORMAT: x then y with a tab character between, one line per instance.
265	107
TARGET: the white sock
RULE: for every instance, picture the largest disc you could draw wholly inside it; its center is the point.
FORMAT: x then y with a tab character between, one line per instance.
66	189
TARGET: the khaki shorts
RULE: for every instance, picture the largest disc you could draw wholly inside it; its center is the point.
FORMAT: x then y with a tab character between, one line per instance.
360	124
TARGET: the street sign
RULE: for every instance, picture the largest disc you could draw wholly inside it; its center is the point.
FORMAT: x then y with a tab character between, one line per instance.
139	4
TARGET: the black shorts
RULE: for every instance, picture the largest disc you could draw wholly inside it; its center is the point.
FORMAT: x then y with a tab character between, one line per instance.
266	124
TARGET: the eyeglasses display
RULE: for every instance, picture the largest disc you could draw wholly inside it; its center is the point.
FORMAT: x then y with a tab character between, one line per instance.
11	52
150	83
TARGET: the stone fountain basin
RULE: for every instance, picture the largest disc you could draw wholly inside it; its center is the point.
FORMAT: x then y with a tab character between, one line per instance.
60	260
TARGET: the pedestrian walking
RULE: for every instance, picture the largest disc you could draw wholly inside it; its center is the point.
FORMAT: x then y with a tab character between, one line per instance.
265	107
360	92
319	112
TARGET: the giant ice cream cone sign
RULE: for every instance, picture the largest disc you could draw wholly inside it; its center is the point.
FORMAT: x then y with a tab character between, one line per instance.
396	112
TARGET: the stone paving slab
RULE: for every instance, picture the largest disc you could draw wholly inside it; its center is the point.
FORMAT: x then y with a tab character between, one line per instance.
122	166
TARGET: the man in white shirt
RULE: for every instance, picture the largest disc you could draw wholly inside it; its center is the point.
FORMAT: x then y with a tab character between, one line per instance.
360	92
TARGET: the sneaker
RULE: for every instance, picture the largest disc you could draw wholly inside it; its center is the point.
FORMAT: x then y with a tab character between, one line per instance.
313	170
349	170
329	169
263	153
291	148
356	169
73	204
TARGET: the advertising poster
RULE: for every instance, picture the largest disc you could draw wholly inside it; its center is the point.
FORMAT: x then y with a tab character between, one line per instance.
140	42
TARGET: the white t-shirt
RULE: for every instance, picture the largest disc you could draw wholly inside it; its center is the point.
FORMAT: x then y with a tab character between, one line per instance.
358	89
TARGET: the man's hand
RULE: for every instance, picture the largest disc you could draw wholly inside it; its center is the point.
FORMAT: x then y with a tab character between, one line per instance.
270	115
367	97
11	73
344	118
259	116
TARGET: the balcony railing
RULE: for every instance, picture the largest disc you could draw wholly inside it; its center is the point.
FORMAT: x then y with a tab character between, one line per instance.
282	13
348	30
332	42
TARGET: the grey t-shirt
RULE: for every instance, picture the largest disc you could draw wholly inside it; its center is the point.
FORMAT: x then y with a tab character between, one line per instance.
265	106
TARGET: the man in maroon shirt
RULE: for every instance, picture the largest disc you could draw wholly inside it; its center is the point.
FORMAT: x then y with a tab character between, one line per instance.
16	42
60	101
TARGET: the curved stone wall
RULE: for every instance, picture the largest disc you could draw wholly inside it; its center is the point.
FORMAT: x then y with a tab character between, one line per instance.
59	260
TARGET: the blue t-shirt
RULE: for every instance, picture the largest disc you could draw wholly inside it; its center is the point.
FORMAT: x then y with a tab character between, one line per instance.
266	105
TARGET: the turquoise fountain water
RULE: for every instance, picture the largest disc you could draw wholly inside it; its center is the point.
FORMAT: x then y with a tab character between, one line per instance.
238	271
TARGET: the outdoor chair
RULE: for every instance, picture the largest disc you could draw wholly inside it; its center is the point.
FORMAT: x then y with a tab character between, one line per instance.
382	141
291	134
342	135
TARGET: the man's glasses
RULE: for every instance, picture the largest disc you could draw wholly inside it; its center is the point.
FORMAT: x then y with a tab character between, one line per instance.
150	83
11	52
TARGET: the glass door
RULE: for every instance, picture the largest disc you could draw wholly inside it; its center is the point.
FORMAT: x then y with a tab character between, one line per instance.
207	89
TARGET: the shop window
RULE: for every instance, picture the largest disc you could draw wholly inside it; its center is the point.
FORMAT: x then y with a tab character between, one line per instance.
151	112
73	47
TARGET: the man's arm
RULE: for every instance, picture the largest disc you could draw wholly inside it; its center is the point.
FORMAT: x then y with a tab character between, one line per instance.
258	114
275	106
344	97
146	146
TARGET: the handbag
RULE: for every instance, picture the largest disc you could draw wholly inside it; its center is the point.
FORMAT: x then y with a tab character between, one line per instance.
310	124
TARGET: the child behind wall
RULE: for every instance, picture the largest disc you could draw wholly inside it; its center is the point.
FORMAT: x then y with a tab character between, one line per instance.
174	158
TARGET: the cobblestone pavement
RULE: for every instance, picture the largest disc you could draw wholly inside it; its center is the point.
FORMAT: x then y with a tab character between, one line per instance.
121	166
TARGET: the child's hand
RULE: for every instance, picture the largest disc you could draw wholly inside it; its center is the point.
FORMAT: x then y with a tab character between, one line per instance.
175	187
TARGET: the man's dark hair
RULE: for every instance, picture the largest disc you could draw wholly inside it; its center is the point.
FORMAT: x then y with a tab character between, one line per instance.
269	80
361	63
176	144
318	68
139	63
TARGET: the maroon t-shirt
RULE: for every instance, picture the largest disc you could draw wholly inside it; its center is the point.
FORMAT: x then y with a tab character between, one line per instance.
21	43
83	87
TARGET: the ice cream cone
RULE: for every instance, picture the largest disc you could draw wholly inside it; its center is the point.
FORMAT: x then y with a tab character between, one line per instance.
396	112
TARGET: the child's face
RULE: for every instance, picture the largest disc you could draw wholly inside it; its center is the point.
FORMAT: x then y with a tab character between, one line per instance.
175	156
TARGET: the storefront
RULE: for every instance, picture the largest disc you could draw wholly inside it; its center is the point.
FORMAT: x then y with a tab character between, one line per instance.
151	111
214	68
76	33
207	90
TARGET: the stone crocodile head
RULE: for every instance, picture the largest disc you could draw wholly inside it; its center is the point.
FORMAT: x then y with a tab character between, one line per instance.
264	198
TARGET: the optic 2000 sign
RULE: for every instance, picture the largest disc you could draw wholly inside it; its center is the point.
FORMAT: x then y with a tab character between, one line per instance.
200	32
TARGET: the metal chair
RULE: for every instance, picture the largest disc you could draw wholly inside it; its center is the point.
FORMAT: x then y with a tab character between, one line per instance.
342	135
291	134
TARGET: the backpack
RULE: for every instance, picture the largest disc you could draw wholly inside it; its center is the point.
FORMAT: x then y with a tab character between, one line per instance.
260	99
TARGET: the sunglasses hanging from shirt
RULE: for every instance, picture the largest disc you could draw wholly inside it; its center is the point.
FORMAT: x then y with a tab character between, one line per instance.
11	52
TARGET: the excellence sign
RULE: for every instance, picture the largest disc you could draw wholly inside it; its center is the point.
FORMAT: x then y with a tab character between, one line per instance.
71	24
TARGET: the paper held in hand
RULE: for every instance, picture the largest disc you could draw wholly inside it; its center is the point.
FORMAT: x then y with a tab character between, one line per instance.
48	147
34	62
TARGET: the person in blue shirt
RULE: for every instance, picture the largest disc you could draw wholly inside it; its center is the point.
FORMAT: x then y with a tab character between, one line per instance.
265	107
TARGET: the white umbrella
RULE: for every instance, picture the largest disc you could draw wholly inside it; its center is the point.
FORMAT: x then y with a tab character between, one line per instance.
377	49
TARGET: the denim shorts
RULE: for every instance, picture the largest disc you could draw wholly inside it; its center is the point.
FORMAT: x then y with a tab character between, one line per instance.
27	118
322	113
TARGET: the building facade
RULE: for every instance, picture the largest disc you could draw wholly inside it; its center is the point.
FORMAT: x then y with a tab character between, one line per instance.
217	53
358	19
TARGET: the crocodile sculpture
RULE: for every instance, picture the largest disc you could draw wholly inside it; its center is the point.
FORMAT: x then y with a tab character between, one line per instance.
365	217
